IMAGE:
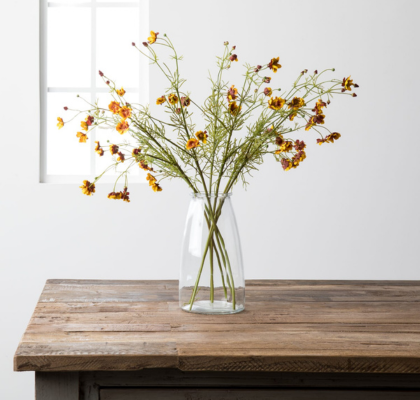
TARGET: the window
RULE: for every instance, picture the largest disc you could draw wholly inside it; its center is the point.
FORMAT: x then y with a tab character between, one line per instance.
78	38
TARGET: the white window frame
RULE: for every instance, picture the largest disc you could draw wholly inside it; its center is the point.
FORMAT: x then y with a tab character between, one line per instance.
143	9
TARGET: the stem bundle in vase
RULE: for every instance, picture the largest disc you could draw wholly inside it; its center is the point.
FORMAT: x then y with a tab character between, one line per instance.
213	157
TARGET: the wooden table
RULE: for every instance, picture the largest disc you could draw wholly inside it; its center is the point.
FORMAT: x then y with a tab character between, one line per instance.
127	340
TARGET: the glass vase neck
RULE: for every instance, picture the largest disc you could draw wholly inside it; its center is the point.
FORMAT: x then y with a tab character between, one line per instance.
202	195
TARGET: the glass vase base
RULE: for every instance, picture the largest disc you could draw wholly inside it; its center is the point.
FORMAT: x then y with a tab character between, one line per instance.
217	307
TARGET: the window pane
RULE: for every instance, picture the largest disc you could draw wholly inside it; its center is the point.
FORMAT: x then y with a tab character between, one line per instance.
117	28
65	155
69	47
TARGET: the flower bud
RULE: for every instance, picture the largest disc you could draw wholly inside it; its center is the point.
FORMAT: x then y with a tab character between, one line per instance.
66	108
226	43
333	69
316	71
234	47
101	73
107	82
356	85
145	44
354	95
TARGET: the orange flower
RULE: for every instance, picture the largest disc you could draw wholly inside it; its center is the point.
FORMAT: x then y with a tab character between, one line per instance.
84	125
202	136
153	36
99	149
125	112
82	137
276	103
60	122
88	188
292	115
232	93
114	106
120	157
120	92
274	64
144	166
192	144
234	109
113	149
173	98
151	179
160	100
156	187
233	57
122	127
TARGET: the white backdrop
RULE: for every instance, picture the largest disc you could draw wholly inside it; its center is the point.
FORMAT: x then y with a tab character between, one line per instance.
350	211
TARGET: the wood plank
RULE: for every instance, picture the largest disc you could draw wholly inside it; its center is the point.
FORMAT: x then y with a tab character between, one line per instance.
305	326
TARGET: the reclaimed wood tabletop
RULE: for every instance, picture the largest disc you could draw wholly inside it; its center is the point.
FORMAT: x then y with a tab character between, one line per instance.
289	326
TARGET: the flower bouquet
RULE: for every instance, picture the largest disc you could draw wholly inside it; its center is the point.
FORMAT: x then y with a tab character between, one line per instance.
213	157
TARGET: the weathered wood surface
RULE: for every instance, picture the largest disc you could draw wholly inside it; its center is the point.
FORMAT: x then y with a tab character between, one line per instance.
289	326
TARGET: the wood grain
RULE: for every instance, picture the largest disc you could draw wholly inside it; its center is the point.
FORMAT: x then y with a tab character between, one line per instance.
288	326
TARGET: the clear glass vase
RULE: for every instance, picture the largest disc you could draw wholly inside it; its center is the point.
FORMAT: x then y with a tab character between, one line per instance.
212	274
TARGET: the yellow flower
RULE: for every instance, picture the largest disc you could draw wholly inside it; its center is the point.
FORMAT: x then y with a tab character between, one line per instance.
84	125
185	101
296	103
144	166
347	83
113	149
192	143
122	127
285	147
292	115
274	64
82	137
202	136
152	182
120	92
156	187
87	188
136	152
286	164
114	106
232	93
115	195
319	106
125	112
153	37
234	109
330	138
60	122
268	91
276	103
120	157
99	149
160	100
173	98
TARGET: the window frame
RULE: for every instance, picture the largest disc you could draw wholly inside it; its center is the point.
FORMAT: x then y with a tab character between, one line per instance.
93	90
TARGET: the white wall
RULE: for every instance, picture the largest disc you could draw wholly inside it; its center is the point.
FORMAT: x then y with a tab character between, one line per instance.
350	211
